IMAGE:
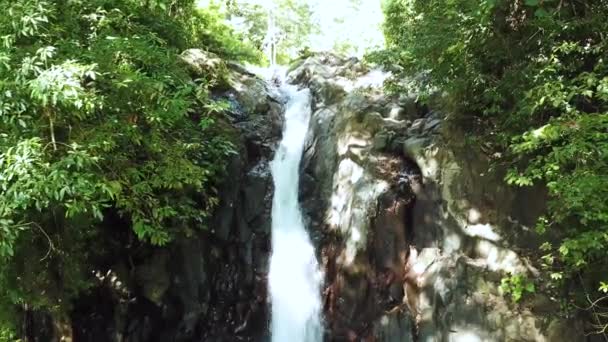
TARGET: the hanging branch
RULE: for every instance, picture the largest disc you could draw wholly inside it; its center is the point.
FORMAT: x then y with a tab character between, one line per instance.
48	238
48	114
593	305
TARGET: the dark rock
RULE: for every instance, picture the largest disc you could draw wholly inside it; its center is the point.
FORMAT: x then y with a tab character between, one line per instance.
541	304
395	326
153	277
224	216
256	182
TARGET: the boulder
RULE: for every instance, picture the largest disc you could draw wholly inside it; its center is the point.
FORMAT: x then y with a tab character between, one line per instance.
202	63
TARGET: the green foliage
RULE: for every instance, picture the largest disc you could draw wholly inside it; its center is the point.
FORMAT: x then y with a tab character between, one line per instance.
212	31
290	31
532	77
7	335
98	115
516	285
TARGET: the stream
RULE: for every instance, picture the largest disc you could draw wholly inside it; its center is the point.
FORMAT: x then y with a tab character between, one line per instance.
294	278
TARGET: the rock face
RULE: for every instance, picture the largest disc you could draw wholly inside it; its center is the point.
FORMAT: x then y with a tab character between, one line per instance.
209	286
413	230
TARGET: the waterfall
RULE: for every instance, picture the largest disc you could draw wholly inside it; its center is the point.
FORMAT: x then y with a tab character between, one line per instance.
294	278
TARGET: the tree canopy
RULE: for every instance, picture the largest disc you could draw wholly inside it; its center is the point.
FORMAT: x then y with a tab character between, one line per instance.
279	28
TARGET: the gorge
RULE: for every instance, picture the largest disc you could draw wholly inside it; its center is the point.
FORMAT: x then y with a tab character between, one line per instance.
157	184
408	228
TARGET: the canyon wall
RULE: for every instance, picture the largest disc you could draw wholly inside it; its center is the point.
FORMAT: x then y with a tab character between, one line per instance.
414	229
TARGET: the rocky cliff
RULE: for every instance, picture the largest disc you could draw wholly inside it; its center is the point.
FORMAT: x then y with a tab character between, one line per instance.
414	230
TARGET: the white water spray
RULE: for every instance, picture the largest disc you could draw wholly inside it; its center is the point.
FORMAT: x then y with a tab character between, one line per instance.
294	278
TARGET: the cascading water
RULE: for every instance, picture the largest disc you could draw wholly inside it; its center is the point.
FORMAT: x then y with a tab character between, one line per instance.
294	278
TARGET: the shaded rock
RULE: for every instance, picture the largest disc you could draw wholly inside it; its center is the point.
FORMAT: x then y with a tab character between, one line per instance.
563	330
256	183
190	276
153	277
409	106
390	243
414	147
381	141
541	304
329	92
250	93
395	326
431	124
224	218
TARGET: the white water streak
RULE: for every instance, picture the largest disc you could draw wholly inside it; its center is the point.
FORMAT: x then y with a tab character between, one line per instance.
294	278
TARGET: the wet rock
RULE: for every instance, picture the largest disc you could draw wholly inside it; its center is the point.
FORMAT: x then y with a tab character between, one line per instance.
224	217
256	183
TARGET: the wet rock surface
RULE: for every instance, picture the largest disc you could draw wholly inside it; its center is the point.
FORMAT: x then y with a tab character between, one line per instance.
414	230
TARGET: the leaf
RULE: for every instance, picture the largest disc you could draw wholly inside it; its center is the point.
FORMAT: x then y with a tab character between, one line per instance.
541	13
531	3
546	247
530	287
517	296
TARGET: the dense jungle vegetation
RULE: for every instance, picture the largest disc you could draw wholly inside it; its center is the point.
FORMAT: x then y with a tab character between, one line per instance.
530	78
98	117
